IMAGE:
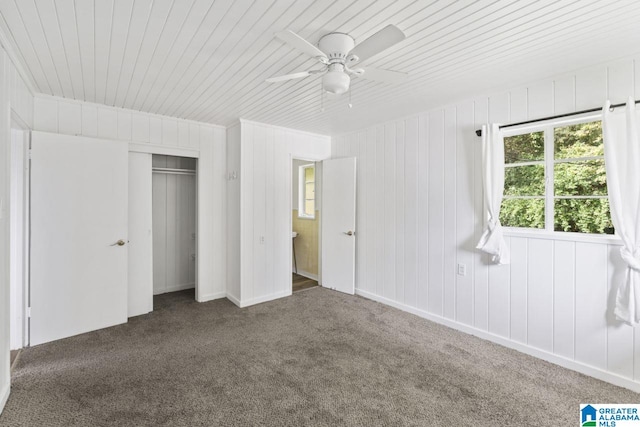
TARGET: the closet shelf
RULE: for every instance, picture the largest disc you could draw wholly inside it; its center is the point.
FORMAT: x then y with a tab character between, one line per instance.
174	171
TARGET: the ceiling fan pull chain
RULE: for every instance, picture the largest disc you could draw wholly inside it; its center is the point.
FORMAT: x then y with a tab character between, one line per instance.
350	104
321	99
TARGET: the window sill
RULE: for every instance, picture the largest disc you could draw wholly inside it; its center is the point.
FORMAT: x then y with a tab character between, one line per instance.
306	217
564	236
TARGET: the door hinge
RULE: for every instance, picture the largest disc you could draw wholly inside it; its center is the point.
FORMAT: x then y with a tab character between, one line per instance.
29	312
30	151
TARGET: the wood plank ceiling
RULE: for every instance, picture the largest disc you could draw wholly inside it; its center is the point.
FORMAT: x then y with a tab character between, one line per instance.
207	59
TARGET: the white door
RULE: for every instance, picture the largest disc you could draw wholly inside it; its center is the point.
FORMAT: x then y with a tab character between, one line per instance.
78	235
339	224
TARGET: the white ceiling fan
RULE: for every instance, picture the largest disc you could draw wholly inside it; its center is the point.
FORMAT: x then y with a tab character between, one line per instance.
338	52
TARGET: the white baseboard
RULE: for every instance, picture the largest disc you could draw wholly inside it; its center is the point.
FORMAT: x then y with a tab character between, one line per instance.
233	299
211	297
258	300
4	395
523	348
307	275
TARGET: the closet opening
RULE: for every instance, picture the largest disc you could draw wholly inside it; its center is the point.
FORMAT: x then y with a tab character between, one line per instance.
305	223
174	227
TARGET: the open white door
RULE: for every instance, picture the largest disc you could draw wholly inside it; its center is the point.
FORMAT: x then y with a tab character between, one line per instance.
339	224
78	235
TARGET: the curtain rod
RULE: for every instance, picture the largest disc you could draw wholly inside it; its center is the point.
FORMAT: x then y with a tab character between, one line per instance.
559	116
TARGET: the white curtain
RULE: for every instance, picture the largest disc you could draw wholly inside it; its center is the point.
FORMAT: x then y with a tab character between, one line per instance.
622	163
492	240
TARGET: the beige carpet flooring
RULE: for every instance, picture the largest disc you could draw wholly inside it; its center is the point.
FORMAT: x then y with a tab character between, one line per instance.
317	358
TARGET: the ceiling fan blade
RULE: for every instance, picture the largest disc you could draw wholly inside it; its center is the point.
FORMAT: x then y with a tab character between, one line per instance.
293	76
378	42
294	40
385	76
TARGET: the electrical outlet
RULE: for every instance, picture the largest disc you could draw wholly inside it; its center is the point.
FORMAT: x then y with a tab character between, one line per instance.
462	270
262	240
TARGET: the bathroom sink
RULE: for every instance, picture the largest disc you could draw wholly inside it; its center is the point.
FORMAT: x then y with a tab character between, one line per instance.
294	234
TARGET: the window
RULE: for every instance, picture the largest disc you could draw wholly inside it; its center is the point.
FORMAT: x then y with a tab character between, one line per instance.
555	180
307	191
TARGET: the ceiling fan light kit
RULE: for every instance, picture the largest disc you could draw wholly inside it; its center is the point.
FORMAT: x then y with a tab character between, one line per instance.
337	51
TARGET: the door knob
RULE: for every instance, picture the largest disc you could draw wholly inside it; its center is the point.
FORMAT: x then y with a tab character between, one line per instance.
349	233
119	243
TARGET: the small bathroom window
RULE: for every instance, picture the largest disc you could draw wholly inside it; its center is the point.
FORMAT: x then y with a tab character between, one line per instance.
307	191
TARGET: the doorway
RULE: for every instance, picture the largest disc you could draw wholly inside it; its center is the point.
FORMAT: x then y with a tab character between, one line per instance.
19	237
305	223
174	225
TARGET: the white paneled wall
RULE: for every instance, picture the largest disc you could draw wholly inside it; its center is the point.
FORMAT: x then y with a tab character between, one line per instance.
16	102
419	207
60	115
174	226
262	199
160	135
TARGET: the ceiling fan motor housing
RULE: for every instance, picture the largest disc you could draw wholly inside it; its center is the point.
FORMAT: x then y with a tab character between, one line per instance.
336	46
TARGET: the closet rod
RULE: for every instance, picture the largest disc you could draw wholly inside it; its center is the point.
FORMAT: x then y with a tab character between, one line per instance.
174	171
558	116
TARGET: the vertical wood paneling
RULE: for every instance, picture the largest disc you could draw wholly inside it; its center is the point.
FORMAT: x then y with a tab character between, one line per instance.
362	171
499	108
467	141
282	183
556	295
194	136
89	120
259	211
265	163
449	229
389	211
269	193
591	304
45	114
169	132
540	294
246	211
107	123
591	88
183	134
400	210
124	125
480	260
564	298
410	210
436	212
155	130
540	100
70	118
380	178
140	127
423	212
564	97
620	84
519	285
500	299
519	104
619	335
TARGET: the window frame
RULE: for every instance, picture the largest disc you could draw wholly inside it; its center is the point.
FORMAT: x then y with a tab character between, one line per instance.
302	191
548	126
